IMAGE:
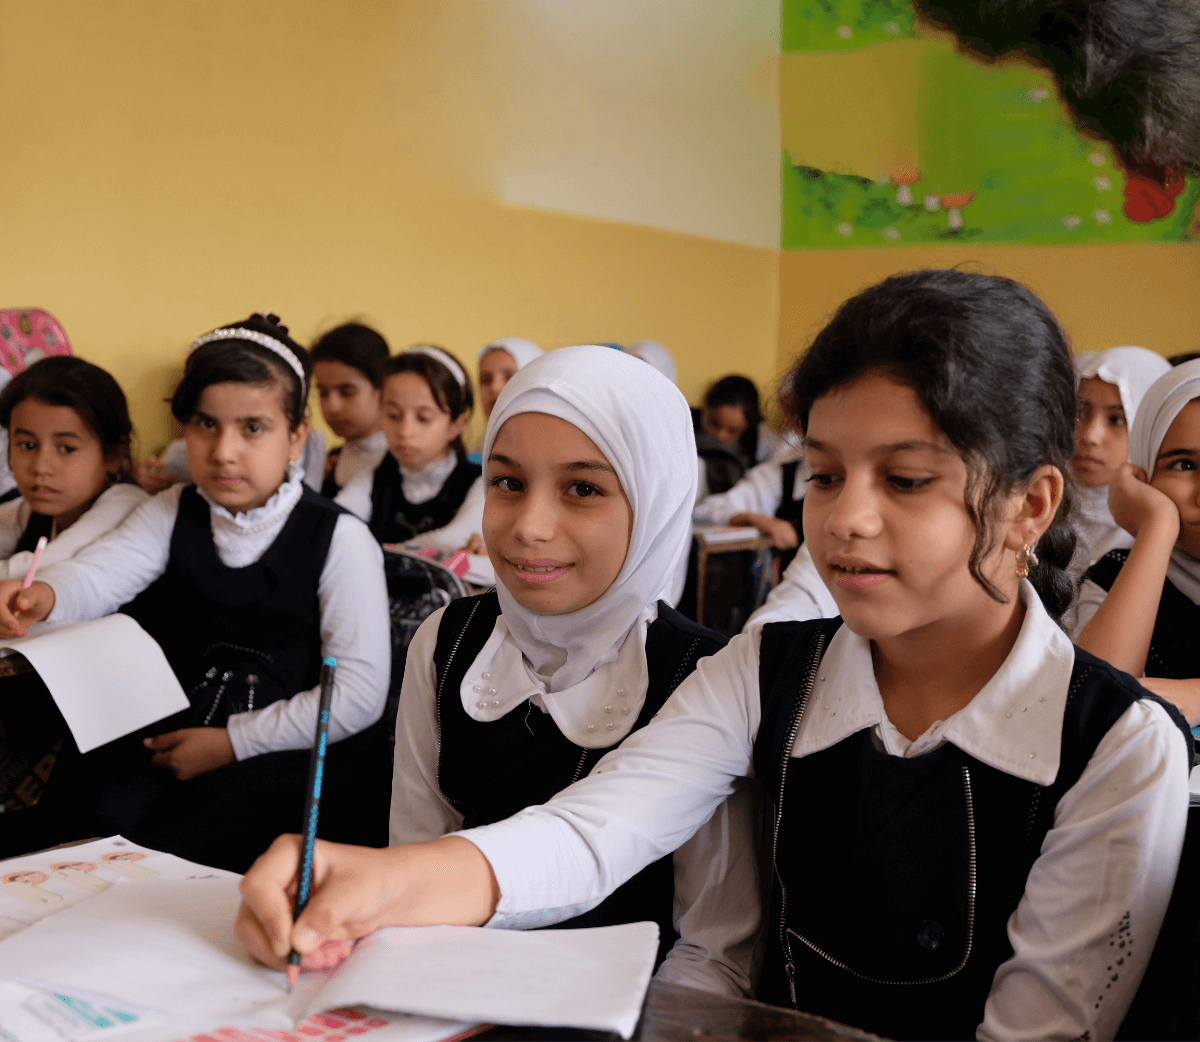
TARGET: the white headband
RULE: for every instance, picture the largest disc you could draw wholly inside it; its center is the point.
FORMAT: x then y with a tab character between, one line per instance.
438	355
262	339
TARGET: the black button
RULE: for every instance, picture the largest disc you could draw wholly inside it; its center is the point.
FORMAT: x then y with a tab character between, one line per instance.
930	935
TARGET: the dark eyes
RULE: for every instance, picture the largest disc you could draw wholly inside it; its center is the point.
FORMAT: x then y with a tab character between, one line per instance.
584	489
1181	464
577	489
507	484
899	483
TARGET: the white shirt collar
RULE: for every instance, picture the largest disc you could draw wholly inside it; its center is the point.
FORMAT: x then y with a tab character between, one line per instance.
420	486
1014	724
273	512
355	456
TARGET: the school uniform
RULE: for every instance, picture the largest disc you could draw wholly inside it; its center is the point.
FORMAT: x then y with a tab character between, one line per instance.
1042	961
439	506
20	529
244	607
354	456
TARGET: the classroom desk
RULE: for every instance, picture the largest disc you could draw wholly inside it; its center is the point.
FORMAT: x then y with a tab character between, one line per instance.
704	550
673	1012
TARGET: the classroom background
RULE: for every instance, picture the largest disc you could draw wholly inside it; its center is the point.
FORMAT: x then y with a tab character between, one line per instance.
452	171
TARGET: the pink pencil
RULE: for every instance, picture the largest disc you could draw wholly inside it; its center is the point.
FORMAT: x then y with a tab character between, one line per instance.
37	556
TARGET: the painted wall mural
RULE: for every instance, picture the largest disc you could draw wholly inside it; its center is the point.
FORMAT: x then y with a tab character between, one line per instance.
891	136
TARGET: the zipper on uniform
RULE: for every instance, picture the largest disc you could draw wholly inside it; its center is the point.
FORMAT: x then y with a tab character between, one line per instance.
437	702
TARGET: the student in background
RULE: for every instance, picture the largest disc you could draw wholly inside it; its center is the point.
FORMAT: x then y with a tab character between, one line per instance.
731	436
346	363
927	739
1139	608
425	492
69	432
1111	386
654	355
246	579
499	362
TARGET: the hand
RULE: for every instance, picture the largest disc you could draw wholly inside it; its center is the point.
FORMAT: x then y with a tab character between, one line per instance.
783	535
1134	502
475	544
1183	694
20	609
357	890
191	751
152	475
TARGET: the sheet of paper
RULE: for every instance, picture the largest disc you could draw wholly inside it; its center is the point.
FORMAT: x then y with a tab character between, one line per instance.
108	677
594	978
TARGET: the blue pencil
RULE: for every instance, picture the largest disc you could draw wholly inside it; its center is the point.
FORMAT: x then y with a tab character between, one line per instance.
312	805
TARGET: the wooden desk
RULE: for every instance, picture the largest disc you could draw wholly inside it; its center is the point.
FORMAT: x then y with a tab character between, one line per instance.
704	550
673	1012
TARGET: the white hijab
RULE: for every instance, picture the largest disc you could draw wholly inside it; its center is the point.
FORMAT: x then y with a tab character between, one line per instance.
588	668
1164	401
523	351
654	354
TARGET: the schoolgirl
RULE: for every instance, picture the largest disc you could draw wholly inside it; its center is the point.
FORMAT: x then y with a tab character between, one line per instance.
1139	608
1111	386
425	492
246	579
346	363
974	827
68	433
499	362
510	696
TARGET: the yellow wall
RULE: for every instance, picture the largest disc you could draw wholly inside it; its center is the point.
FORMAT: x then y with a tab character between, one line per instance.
170	166
1105	296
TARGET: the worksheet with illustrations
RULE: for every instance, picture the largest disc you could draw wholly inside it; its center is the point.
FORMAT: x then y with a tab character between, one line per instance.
108	677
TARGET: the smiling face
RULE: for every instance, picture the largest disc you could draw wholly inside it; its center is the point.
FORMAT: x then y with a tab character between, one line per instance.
418	430
1177	473
1101	433
557	522
496	368
57	460
350	403
885	517
725	422
239	445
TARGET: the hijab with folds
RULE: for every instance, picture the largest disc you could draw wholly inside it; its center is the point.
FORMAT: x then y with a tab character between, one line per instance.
573	665
1131	370
1163	401
522	351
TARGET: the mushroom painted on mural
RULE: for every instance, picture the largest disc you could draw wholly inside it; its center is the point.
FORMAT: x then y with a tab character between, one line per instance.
955	203
902	178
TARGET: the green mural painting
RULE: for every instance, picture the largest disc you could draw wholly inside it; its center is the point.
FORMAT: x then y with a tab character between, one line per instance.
891	136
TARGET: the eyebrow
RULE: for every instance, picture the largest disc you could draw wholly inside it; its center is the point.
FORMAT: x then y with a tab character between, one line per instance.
56	434
1176	453
884	450
575	465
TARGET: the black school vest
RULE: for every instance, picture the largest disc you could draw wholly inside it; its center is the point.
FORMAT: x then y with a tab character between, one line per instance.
791	510
39	525
895	919
395	520
1175	643
240	638
489	771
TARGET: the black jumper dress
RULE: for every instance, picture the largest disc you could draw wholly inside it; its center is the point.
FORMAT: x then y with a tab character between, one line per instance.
395	520
490	770
899	924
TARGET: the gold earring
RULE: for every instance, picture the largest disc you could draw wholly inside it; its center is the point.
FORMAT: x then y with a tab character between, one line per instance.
1025	558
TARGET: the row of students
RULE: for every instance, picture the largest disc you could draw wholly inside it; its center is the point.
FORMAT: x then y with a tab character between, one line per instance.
1004	812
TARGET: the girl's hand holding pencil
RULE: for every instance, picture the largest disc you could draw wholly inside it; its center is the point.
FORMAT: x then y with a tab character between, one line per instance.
20	608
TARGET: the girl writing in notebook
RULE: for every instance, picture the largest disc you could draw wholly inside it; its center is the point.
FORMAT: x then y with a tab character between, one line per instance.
425	492
69	434
966	815
511	696
246	579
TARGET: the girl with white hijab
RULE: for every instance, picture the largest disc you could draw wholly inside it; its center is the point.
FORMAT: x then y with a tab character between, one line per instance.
1140	608
499	362
510	696
1111	386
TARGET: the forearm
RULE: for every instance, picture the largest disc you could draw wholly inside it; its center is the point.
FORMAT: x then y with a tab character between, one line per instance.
1183	694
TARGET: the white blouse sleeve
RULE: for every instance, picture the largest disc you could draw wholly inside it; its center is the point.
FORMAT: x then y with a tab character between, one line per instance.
1087	603
355	630
467	522
419	810
759	492
1095	898
14	517
802	595
355	495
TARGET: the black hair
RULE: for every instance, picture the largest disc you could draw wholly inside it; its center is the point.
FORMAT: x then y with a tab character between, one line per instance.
1127	69
742	392
355	345
992	367
86	388
240	361
1187	356
451	396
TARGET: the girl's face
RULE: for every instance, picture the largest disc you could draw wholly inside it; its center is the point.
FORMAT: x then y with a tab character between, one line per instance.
350	403
556	521
239	445
1101	433
1177	473
886	519
57	460
725	422
496	368
418	430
